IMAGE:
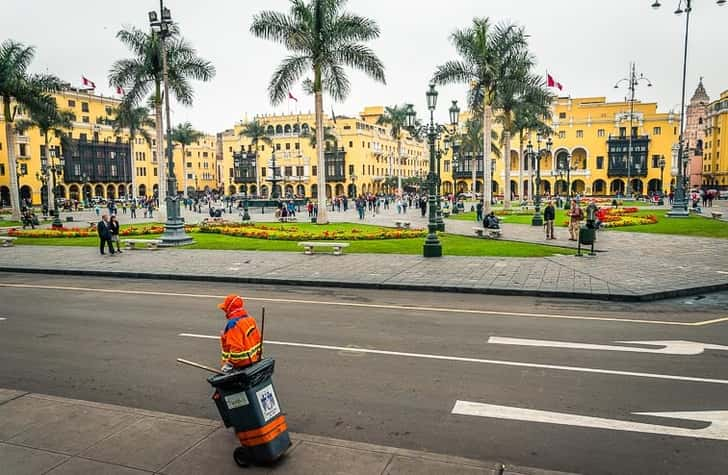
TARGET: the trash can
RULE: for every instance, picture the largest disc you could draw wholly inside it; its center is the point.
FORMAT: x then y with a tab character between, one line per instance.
587	235
247	401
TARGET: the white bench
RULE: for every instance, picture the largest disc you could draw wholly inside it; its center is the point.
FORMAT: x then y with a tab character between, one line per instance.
151	244
5	230
490	233
288	219
338	247
716	214
403	224
7	240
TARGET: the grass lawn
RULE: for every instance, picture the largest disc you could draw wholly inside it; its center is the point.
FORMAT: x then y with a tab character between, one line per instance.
691	226
7	224
453	245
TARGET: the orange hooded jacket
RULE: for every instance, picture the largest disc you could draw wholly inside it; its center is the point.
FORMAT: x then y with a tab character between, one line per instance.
240	340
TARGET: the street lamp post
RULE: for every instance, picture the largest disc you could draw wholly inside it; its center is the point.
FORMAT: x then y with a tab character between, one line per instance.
453	165
57	171
174	229
20	171
440	152
679	203
85	181
432	246
537	219
632	82
44	177
662	183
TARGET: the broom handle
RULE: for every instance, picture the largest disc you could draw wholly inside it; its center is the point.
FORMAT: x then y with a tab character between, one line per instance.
198	365
262	331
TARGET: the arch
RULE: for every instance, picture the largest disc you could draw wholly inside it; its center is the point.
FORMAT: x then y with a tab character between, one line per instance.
514	188
314	189
328	191
73	192
296	129
638	186
616	187
560	187
579	158
131	191
60	191
264	191
122	191
4	196
155	190
578	186
99	190
111	192
26	194
547	161
495	187
300	190
289	191
287	129
253	189
478	186
305	128
562	160
514	160
545	187
339	189
142	190
241	189
279	129
653	186
352	190
462	187
270	130
599	187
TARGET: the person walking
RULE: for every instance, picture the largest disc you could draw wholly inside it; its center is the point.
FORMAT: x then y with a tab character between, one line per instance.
575	216
114	228
104	231
479	211
132	210
549	215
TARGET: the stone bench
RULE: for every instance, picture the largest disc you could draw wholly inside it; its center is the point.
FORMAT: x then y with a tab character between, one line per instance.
716	214
287	219
308	247
151	244
7	241
403	224
485	232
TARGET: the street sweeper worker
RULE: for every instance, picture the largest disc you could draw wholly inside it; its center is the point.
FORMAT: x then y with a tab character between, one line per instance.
240	339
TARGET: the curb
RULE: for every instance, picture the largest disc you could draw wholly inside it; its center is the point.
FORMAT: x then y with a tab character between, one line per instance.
646	297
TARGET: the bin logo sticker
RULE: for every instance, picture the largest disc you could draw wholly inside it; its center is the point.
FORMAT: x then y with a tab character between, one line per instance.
234	401
268	402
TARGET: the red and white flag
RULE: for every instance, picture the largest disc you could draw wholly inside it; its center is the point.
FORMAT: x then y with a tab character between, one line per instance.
290	96
120	90
87	82
551	82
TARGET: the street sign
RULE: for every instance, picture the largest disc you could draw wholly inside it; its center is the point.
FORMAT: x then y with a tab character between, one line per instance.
717	428
667	347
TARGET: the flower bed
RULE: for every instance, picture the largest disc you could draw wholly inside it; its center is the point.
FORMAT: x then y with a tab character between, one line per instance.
292	233
87	232
619	217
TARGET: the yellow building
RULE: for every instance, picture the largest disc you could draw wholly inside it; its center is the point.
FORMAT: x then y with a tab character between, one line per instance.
715	156
201	171
359	161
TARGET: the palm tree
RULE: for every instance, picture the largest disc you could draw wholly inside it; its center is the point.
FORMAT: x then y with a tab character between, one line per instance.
322	40
142	75
471	142
257	132
329	137
136	121
396	118
485	53
185	135
47	121
30	92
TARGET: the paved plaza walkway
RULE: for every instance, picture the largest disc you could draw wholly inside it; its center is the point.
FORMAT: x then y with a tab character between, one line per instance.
56	436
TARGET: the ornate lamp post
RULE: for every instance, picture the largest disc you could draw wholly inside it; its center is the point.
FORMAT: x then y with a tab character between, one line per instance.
432	246
453	165
43	177
537	219
174	229
20	171
661	163
57	171
679	203
85	181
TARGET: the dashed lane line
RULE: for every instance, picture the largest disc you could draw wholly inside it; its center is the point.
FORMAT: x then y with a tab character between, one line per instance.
495	313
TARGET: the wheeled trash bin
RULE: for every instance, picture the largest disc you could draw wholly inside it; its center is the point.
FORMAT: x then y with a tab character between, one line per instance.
247	401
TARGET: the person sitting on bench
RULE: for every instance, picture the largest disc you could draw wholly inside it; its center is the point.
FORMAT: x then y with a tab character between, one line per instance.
491	221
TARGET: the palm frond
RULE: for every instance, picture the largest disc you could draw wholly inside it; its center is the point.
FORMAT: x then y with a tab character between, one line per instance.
285	76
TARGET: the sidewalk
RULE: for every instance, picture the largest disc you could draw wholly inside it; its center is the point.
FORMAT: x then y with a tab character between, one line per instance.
50	435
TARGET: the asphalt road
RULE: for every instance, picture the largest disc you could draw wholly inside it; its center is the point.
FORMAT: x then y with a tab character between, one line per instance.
116	341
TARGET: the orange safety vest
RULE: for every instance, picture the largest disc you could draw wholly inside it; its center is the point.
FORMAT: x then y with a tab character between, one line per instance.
240	340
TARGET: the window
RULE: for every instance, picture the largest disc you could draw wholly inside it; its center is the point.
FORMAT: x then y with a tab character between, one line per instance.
351	144
351	169
656	130
231	149
2	169
288	146
600	133
314	170
447	166
23	150
189	154
634	131
262	171
600	163
85	119
299	171
109	110
298	146
655	161
189	165
84	107
155	171
204	154
288	171
562	134
262	148
71	103
278	146
579	134
562	115
700	121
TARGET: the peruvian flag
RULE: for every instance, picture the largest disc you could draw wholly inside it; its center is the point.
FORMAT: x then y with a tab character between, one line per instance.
290	96
87	82
551	82
120	90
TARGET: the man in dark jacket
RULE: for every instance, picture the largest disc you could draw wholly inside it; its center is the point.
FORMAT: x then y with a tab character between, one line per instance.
549	215
104	230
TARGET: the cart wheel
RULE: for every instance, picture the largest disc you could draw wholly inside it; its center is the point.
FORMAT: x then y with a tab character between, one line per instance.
240	455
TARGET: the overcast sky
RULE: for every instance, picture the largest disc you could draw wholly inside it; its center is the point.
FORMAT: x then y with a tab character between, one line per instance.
585	44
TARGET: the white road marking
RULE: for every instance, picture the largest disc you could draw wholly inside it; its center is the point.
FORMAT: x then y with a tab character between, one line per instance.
415	308
671	347
3	318
479	360
716	430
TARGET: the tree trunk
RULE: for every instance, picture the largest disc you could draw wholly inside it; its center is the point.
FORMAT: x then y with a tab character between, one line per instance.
184	172
50	192
521	194
506	169
161	158
487	178
322	217
10	139
530	174
133	168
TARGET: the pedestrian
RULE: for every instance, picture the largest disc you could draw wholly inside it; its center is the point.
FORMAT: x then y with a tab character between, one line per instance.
479	211
114	229
240	340
132	209
150	208
97	209
104	231
575	216
549	215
